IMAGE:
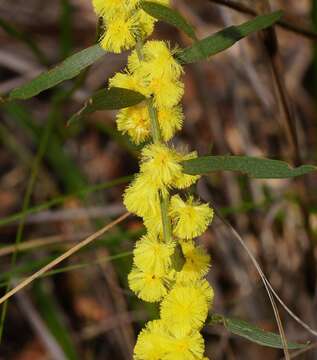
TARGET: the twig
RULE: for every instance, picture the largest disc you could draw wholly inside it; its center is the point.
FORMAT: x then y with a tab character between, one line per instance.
265	281
61	258
291	26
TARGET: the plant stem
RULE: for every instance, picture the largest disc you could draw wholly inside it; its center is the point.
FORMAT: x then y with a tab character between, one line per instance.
157	139
155	128
167	228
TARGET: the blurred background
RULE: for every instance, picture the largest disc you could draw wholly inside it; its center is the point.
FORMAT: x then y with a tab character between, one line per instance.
254	99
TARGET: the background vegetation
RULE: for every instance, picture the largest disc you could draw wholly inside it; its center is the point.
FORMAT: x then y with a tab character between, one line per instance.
59	184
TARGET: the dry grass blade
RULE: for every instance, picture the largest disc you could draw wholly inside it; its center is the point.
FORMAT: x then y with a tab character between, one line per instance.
61	258
41	242
265	282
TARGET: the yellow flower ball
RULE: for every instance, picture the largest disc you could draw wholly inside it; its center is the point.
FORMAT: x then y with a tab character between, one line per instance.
197	262
141	197
153	221
130	81
184	180
161	163
109	8
148	285
152	254
170	120
190	218
120	34
151	342
158	61
135	122
184	345
166	92
184	308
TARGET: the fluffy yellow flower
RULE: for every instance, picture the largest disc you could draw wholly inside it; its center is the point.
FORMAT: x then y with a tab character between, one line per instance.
148	285
146	23
151	342
190	218
135	122
130	81
152	254
153	221
158	61
205	289
109	8
161	163
184	180
184	346
142	197
184	308
166	92
120	34
157	342
170	121
197	262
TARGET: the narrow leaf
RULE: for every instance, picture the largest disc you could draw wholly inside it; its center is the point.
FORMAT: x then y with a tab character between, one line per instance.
259	168
68	69
112	99
225	38
257	335
169	16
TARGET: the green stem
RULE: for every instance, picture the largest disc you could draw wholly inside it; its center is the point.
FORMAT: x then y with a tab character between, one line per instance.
167	228
155	128
157	139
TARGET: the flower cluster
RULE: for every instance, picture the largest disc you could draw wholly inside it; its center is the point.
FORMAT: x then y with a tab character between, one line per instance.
124	23
169	267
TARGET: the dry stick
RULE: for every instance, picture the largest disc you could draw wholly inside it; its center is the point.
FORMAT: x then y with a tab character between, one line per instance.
291	26
35	243
64	256
264	280
271	45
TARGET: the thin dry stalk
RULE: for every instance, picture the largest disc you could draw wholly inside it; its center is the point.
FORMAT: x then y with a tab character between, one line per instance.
61	258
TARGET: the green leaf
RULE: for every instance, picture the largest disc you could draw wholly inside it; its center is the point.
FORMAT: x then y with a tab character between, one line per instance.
253	333
169	16
108	99
258	168
68	69
225	38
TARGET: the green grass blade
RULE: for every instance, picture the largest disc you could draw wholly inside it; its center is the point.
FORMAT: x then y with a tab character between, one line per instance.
258	168
170	16
108	99
225	38
68	69
253	333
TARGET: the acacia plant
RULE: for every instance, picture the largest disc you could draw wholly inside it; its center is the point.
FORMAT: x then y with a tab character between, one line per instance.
169	267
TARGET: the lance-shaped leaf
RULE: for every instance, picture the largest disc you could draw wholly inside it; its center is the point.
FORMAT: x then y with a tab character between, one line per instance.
108	99
225	38
259	168
253	333
169	16
66	70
